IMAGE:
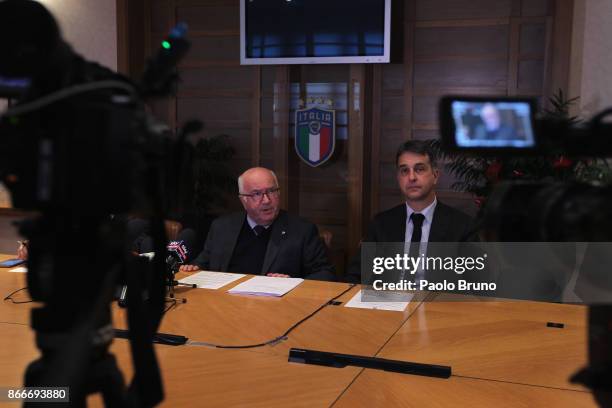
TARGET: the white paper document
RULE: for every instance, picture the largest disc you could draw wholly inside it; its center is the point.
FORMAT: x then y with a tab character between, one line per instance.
211	280
386	301
19	269
266	286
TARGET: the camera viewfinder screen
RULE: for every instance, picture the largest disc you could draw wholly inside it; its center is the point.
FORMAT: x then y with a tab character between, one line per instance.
493	124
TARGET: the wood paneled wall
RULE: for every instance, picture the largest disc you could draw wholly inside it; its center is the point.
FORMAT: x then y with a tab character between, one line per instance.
464	47
471	47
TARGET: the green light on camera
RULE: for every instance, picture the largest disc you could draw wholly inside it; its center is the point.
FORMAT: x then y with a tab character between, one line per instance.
166	45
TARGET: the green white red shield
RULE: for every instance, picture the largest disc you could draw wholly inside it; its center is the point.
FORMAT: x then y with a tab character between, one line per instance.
315	136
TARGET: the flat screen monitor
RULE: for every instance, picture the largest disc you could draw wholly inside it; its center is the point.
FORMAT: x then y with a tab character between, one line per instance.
314	31
499	124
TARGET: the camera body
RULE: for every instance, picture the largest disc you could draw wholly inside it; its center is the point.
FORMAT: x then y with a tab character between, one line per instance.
531	208
79	148
544	210
507	126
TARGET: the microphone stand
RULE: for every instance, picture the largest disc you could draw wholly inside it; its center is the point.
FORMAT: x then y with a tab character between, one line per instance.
171	283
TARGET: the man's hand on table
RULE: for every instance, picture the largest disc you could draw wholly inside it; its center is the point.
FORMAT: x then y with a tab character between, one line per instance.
189	268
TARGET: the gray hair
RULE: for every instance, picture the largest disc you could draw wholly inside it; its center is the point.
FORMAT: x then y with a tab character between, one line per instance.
241	178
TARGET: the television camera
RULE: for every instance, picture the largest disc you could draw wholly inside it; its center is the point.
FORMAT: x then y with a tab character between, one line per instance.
79	148
547	209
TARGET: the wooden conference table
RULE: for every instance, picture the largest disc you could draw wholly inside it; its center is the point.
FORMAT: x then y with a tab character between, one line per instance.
502	353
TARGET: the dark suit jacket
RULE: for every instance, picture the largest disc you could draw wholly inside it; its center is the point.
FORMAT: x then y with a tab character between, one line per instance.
294	248
448	225
504	132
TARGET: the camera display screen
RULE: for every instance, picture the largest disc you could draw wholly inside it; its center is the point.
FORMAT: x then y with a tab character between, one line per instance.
13	87
492	124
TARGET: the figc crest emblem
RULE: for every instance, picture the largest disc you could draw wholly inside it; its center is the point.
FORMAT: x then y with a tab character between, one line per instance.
315	135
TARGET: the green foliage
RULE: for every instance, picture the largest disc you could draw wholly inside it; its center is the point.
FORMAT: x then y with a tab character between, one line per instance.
597	171
561	107
478	175
213	176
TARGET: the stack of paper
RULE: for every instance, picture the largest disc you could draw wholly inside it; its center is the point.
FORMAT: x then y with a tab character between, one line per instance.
266	286
211	280
398	306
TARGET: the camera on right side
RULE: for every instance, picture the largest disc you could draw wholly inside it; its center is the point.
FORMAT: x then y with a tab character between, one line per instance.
543	178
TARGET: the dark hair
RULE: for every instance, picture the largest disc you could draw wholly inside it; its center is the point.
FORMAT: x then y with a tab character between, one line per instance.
424	147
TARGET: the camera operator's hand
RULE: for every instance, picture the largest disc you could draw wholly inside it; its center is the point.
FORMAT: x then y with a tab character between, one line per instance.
188	268
22	251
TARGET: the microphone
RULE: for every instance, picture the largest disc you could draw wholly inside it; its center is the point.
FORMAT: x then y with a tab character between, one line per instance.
180	251
177	253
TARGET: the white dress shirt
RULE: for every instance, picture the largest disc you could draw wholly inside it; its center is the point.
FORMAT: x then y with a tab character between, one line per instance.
253	224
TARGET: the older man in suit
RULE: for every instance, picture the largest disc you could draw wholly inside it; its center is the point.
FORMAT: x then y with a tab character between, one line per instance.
422	218
492	127
263	239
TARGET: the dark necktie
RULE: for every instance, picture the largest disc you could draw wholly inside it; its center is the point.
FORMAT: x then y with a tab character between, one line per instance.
417	232
259	229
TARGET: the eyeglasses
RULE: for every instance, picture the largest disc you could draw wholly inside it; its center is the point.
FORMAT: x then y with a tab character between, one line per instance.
258	196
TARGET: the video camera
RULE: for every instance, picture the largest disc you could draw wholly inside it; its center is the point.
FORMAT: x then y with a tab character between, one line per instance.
502	126
556	207
551	204
78	147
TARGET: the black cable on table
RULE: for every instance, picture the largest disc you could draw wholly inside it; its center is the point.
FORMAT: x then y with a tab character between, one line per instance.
278	338
10	297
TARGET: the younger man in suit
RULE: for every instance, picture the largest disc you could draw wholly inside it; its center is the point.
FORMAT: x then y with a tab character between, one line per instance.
263	239
422	218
